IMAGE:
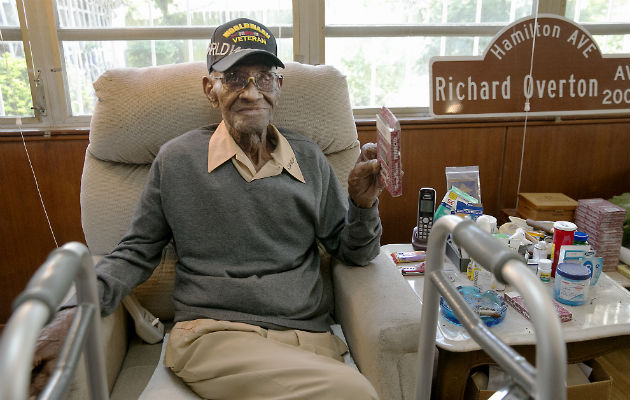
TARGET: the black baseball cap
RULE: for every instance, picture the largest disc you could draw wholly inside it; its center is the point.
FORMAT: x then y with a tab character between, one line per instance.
239	38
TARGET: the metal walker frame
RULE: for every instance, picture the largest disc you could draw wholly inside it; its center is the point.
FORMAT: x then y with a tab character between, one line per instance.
35	307
548	380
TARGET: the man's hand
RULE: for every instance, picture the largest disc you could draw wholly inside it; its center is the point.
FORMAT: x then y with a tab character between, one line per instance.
364	183
48	347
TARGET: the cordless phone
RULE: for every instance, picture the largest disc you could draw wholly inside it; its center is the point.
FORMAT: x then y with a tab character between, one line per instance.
426	209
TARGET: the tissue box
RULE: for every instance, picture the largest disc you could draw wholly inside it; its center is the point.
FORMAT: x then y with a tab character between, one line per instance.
546	206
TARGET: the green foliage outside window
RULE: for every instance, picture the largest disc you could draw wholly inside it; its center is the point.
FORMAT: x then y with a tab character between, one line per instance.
14	87
370	83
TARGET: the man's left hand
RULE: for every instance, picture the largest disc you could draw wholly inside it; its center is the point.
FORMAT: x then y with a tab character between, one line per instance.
364	183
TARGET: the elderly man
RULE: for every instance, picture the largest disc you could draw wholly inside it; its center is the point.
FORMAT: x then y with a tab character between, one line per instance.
245	205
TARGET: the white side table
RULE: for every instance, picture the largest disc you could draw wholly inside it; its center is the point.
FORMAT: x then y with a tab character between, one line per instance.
598	327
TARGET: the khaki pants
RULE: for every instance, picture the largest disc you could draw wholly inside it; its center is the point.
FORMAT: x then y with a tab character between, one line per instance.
231	360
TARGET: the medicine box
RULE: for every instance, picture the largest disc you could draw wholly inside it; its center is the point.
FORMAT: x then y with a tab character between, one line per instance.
599	386
546	206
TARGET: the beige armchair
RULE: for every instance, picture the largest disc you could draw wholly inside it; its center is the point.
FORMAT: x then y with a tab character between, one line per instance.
140	109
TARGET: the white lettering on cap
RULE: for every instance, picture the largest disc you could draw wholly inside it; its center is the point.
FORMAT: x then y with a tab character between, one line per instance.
226	48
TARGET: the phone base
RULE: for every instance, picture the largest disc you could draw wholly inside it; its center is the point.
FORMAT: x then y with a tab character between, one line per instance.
416	242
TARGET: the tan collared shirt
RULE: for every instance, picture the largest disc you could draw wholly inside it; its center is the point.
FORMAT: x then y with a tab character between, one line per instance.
222	147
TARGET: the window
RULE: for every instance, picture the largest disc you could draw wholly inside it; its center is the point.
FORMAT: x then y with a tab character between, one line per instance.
384	46
611	17
16	98
52	50
74	41
386	55
185	27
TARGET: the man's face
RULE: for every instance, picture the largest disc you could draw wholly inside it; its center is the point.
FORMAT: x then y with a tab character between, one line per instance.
245	110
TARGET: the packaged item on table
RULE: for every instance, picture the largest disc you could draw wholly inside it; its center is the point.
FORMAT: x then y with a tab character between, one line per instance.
572	253
603	221
562	235
594	265
571	284
463	209
518	241
465	179
534	236
408	256
580	238
546	206
488	223
472	270
544	270
449	203
540	251
482	278
516	301
415	269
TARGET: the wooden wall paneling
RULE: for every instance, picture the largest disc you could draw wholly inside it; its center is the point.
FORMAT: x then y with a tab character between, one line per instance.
25	237
426	151
582	160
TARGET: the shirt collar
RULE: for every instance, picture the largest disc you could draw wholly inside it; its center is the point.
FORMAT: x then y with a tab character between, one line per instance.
222	148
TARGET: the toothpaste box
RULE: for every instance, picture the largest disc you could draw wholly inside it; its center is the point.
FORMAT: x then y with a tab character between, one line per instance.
408	256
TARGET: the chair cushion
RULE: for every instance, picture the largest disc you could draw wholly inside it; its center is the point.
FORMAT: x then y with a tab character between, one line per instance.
139	109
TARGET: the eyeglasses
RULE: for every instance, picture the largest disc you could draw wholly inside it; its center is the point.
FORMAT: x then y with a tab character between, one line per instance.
264	81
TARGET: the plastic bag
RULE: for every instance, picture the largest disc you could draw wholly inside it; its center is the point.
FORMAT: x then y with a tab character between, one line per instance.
465	179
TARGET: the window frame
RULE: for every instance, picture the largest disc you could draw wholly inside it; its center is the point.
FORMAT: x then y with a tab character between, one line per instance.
18	34
309	32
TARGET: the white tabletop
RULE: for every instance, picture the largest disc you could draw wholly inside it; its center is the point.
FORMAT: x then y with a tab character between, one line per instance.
606	314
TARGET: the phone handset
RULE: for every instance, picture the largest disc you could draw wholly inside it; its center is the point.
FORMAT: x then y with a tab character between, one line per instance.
148	327
424	223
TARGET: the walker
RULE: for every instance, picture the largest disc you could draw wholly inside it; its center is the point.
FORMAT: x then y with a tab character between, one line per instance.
548	380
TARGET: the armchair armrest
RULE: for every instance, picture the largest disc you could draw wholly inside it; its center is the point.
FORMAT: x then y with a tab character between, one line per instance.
115	337
380	316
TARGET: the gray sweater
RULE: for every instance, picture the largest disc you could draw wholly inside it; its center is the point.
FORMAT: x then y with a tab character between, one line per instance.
247	251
